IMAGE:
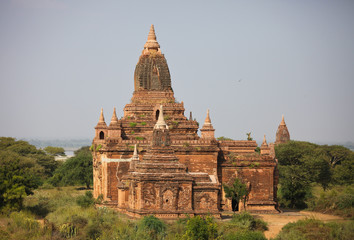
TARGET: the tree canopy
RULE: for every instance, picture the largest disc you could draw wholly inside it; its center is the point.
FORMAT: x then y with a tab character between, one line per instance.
23	168
304	163
75	170
237	191
55	151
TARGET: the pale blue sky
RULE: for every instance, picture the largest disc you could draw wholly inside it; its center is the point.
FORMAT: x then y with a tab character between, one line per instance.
249	62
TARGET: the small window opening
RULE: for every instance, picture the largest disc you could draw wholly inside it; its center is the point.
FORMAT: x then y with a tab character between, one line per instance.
101	135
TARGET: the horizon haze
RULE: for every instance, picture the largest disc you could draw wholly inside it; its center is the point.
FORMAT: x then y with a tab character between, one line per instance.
248	62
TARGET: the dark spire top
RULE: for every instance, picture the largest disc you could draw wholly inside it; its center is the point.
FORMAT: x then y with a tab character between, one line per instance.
152	72
282	135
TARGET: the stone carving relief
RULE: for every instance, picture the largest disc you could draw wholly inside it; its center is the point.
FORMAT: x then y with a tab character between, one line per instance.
149	196
184	198
204	201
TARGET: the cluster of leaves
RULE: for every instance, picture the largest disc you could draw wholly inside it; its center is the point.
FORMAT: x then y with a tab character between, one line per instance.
23	168
237	191
76	170
304	163
201	228
311	229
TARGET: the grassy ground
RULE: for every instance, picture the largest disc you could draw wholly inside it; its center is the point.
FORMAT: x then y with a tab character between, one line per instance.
69	213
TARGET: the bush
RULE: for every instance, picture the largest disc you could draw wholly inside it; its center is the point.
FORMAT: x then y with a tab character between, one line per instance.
150	227
245	221
315	229
86	200
199	228
132	124
338	200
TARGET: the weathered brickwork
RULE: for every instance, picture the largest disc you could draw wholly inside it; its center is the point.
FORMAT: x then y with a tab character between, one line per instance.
152	161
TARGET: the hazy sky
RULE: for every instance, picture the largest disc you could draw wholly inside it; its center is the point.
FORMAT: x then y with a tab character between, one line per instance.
249	62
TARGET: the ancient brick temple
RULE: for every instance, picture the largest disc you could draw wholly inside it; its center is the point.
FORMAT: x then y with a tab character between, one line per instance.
152	160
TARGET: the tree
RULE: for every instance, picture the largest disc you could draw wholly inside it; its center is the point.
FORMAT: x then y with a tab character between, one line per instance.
75	170
23	168
199	228
55	151
18	177
237	191
303	163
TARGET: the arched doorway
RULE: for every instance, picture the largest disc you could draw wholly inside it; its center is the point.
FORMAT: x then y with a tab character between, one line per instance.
157	114
234	205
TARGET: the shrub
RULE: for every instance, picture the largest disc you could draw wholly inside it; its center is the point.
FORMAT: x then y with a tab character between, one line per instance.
143	123
316	229
338	200
98	147
151	226
199	228
139	138
86	200
246	221
132	124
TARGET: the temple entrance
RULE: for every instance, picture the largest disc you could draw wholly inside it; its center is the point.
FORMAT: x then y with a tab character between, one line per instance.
234	205
157	114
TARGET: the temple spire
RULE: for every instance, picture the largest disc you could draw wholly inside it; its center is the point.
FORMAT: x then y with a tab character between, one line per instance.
282	135
114	119
264	141
161	124
101	120
151	42
282	120
207	119
207	131
135	155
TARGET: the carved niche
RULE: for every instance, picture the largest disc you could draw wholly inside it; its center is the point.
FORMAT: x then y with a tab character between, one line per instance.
204	201
149	196
169	197
185	198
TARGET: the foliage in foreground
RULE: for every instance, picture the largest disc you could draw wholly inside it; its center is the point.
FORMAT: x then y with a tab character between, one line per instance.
69	213
311	229
338	200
